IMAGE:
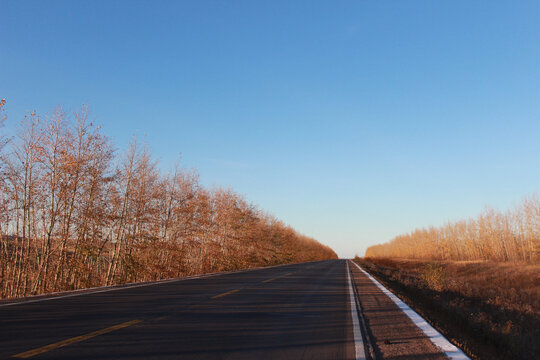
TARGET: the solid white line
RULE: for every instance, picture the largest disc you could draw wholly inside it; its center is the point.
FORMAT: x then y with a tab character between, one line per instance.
106	289
452	351
102	289
358	342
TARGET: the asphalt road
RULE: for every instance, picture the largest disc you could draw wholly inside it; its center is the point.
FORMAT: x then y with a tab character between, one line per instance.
299	311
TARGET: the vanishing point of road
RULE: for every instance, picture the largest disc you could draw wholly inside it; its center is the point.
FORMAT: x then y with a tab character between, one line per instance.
319	310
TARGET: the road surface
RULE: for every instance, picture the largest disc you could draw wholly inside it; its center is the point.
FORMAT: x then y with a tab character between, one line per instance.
299	311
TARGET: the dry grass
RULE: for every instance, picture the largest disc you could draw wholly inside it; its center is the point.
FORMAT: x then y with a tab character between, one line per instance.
491	309
511	286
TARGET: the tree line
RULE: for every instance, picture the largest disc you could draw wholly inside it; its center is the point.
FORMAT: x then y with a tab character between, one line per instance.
75	213
509	236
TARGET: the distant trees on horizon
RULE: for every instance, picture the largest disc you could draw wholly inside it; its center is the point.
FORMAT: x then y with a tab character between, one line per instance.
75	214
510	236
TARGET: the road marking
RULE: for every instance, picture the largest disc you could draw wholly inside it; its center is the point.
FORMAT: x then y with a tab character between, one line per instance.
358	342
83	292
41	350
225	293
287	274
452	351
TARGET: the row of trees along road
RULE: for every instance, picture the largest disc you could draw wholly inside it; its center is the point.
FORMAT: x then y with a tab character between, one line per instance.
510	236
75	214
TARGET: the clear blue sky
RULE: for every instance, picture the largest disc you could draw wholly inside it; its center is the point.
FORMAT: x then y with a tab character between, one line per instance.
353	121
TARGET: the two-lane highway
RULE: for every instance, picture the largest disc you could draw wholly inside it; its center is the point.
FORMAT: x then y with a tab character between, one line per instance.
299	311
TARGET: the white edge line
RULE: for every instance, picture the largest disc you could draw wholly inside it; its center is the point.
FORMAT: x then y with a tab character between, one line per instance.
452	351
358	342
103	289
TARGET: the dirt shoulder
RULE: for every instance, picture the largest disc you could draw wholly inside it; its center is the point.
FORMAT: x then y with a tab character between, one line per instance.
393	333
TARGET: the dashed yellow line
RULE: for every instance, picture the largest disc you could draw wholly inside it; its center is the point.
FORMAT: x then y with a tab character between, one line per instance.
225	294
278	277
41	350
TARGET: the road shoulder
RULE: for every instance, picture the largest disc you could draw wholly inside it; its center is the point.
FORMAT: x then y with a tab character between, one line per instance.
393	333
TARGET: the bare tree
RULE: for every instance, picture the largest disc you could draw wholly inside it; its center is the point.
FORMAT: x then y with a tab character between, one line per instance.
511	236
72	215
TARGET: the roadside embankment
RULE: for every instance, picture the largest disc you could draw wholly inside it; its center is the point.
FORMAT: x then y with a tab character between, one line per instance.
491	310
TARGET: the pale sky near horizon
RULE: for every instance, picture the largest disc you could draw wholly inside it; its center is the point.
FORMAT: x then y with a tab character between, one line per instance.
352	121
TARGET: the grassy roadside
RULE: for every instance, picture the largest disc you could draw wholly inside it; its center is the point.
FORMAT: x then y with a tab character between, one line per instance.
491	310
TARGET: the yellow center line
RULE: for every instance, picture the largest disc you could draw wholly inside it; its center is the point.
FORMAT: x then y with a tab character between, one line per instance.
277	277
41	350
225	294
